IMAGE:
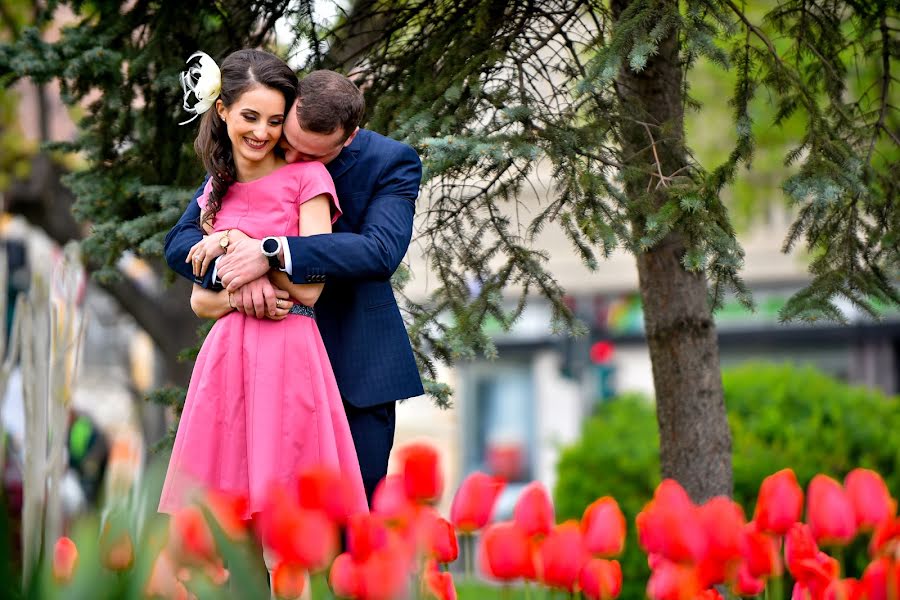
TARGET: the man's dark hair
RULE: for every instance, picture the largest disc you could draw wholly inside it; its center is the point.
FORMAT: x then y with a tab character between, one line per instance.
328	100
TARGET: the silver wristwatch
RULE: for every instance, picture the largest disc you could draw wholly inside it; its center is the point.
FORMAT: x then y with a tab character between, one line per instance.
270	247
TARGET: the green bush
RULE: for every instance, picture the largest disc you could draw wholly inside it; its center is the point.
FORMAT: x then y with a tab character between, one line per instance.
618	456
780	416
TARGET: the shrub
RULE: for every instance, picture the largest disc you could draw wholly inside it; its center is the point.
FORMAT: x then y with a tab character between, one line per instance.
780	415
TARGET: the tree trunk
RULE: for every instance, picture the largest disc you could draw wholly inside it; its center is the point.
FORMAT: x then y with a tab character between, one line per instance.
695	440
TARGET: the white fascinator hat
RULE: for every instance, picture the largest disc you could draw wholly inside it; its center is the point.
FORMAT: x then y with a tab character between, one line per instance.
204	81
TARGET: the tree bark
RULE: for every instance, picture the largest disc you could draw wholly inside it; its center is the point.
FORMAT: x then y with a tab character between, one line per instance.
165	314
695	440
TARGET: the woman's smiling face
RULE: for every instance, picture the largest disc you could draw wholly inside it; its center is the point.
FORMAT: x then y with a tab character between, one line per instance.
254	123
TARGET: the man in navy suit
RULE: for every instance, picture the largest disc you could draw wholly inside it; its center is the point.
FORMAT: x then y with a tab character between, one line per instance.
377	181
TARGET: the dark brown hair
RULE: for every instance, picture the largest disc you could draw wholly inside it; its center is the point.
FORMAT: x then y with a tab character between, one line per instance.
241	71
329	100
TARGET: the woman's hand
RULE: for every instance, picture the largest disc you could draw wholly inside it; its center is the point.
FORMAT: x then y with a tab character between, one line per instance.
282	309
209	248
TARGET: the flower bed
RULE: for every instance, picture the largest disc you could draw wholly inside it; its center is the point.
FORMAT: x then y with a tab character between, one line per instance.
404	547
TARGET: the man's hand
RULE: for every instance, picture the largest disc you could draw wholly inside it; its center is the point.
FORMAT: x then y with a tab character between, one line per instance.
260	298
243	263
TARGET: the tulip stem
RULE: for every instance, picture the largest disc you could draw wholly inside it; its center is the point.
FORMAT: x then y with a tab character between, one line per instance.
774	589
470	555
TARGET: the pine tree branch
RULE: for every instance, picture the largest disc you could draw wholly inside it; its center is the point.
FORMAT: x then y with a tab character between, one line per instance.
810	102
558	28
885	85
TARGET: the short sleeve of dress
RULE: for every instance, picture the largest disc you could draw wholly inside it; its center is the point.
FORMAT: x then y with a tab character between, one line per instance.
315	180
202	198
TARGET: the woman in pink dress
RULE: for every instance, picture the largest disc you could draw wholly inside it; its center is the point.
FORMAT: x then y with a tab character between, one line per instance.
263	403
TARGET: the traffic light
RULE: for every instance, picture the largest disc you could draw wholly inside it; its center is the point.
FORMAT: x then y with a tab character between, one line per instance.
602	354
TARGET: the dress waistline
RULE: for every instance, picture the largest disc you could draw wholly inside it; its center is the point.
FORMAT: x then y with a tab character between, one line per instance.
302	309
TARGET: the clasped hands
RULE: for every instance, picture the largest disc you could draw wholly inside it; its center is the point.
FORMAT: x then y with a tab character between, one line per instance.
243	272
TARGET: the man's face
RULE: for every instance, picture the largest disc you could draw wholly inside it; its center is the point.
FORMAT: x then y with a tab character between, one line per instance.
301	145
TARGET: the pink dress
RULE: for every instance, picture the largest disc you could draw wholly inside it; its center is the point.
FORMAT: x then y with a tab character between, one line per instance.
263	403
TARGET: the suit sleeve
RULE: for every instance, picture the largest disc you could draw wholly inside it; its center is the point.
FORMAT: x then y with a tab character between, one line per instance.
376	251
185	234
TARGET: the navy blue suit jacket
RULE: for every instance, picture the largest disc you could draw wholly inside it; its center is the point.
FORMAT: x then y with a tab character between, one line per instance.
377	181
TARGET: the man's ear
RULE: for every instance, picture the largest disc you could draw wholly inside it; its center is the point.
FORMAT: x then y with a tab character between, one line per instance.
350	139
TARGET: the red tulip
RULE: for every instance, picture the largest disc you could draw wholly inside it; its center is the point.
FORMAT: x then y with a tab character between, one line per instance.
190	537
801	591
439	584
811	569
561	556
872	503
423	479
670	525
505	553
217	573
723	521
365	535
229	510
746	584
817	574
474	501
843	589
410	521
673	581
760	552
304	537
182	593
886	538
384	574
162	580
881	580
780	502
390	502
443	545
325	490
603	525
65	558
799	547
829	511
601	579
534	510
288	580
117	554
344	576
710	594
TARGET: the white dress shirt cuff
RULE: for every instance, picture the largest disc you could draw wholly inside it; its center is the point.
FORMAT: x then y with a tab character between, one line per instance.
288	266
215	275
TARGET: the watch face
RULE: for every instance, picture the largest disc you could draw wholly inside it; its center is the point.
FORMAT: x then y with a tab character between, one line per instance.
270	246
